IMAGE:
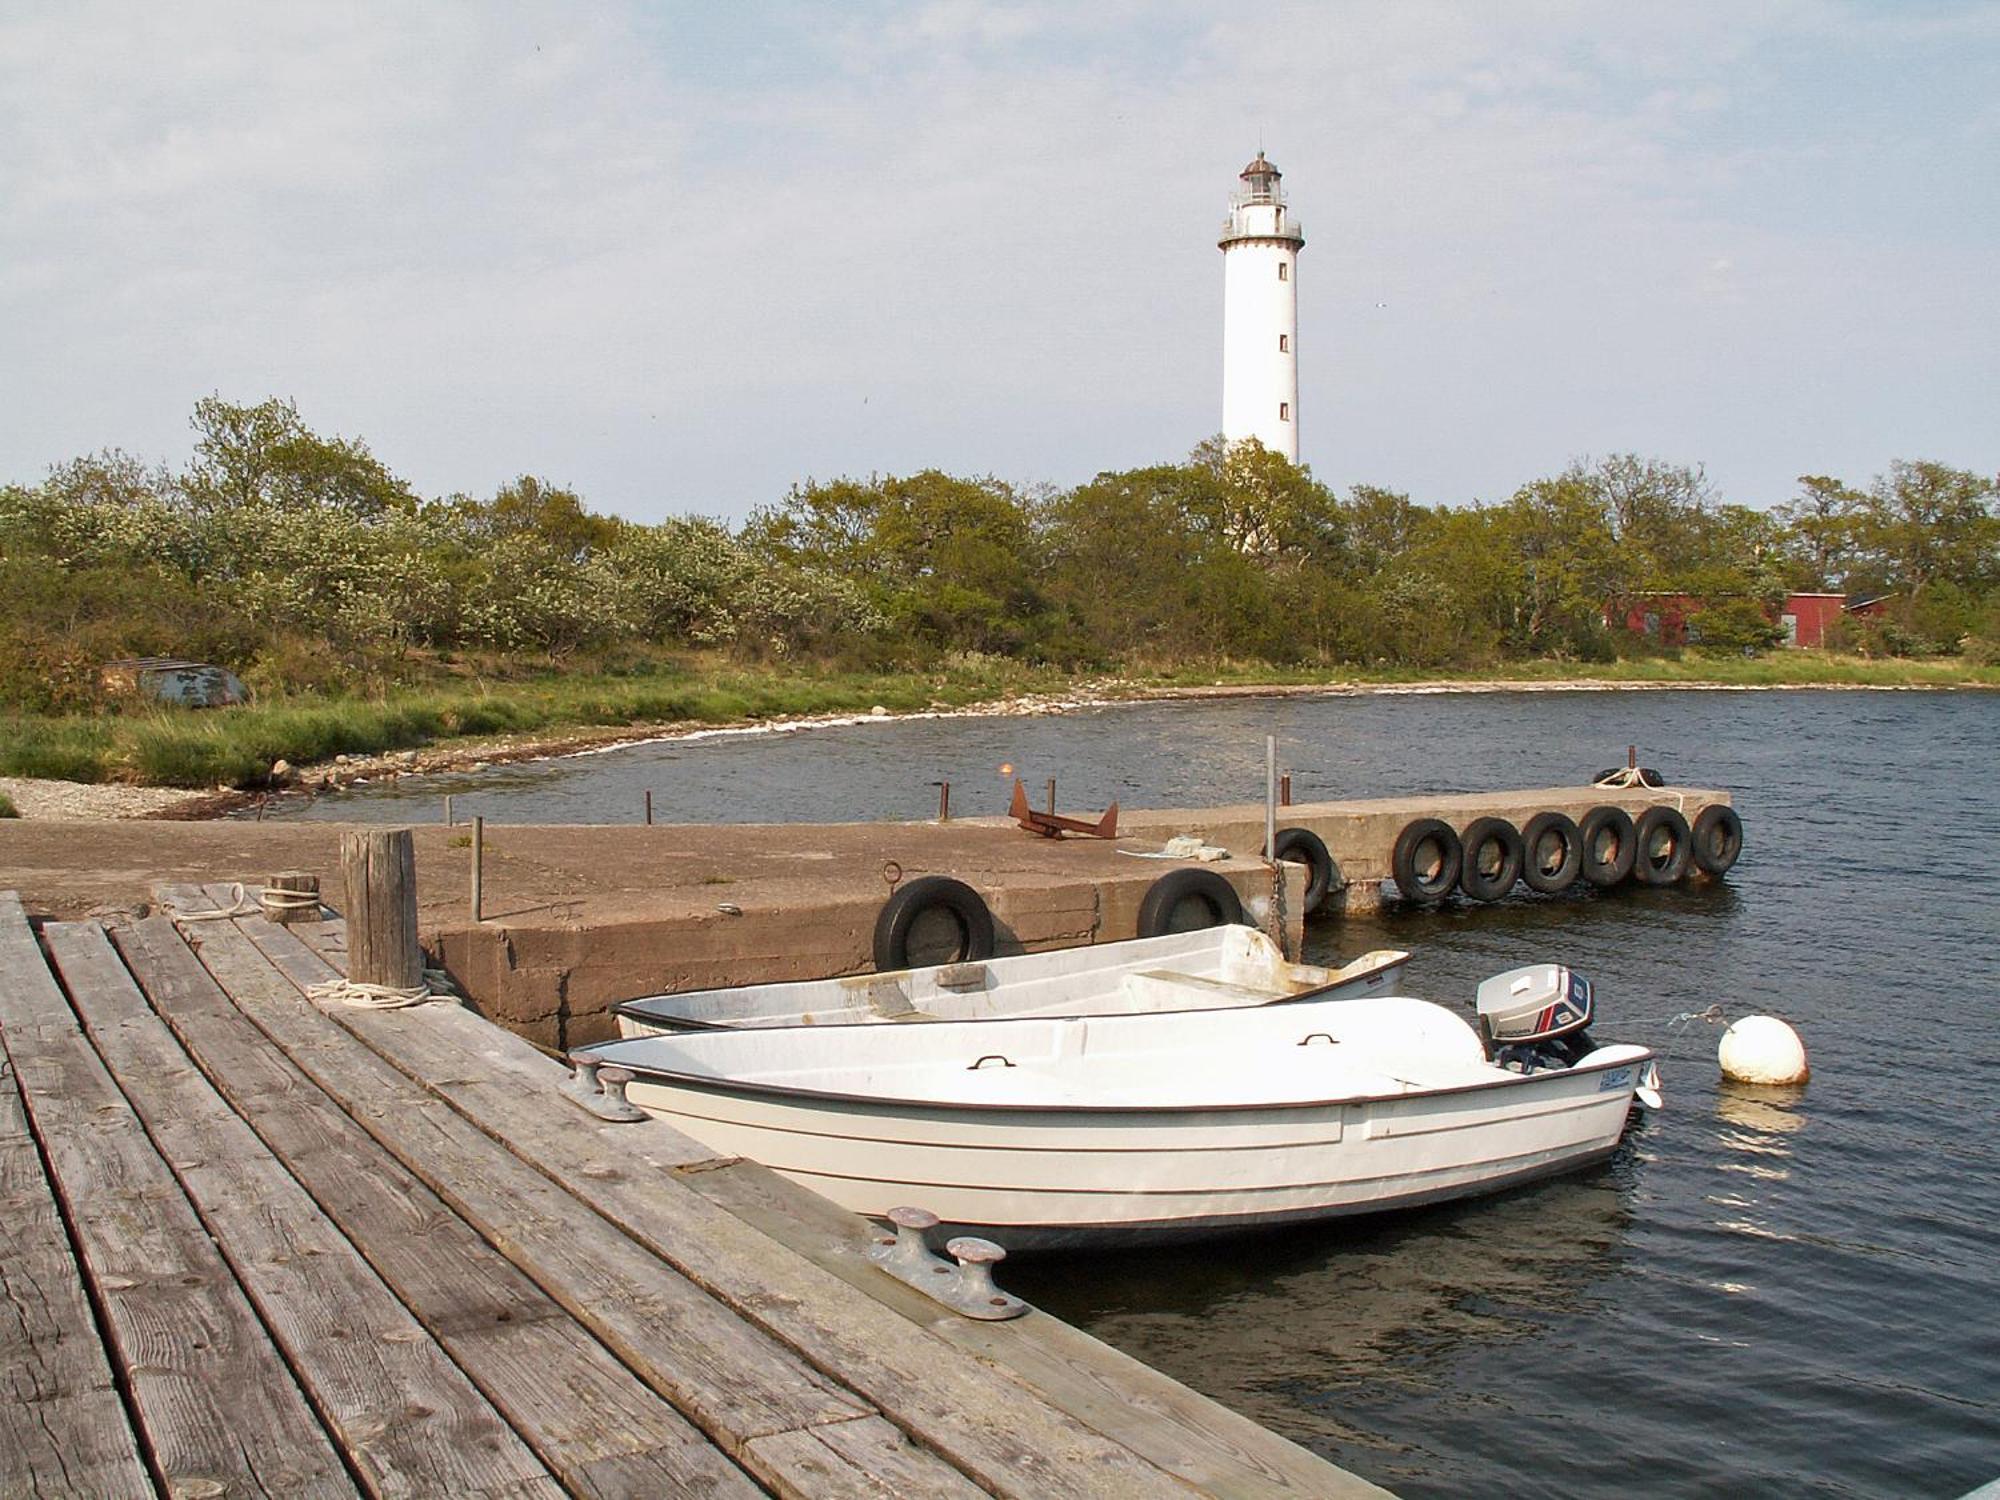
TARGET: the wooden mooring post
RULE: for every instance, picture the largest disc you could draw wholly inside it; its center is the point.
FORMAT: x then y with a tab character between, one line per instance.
293	907
379	870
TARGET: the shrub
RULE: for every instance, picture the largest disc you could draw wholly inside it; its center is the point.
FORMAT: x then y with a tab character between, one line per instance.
7	807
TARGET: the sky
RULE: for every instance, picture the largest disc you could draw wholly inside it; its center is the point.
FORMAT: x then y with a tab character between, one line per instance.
681	257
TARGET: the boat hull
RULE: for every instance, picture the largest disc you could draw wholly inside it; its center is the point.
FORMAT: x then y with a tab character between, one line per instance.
1039	1178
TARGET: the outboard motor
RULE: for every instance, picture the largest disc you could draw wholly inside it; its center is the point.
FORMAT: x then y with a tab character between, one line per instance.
1534	1018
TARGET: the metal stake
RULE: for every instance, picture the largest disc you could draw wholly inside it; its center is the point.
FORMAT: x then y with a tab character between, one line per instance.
944	801
478	868
649	808
449	822
1270	796
1285	790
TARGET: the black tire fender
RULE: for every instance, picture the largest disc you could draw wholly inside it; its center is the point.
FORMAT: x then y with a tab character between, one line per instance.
1718	838
1605	842
1426	860
1548	833
1179	900
1661	844
1490	858
919	901
1303	846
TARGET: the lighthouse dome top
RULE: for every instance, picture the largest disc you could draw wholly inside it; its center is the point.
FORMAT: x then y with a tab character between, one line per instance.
1260	168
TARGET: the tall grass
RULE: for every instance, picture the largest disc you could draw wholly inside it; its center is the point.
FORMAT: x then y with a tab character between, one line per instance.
236	747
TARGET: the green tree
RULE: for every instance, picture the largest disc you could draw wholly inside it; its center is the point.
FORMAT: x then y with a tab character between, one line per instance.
265	455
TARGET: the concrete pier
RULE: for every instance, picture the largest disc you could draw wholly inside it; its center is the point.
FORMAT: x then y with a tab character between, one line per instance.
577	919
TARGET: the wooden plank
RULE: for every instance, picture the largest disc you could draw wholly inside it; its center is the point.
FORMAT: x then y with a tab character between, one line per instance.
175	1313
866	1459
404	1415
1202	1441
1219	1451
63	1430
1001	1432
732	1379
596	1426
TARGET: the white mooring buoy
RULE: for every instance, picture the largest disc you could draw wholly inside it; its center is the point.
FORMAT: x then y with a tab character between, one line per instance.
1763	1049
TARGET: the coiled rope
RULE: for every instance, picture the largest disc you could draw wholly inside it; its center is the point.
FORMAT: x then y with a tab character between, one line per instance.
343	991
1632	779
436	986
269	902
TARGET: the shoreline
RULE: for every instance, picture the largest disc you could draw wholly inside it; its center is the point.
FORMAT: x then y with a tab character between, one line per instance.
45	800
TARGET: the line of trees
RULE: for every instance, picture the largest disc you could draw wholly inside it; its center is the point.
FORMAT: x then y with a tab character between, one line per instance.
303	561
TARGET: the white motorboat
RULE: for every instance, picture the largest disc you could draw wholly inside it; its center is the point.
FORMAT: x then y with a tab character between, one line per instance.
1214	967
1065	1130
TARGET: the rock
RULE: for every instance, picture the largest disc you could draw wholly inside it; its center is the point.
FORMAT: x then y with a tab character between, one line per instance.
405	757
281	770
341	760
878	712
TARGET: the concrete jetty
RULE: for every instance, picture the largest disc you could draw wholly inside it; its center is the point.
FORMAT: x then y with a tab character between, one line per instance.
576	918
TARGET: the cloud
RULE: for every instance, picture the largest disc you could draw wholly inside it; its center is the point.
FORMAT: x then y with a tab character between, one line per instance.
684	256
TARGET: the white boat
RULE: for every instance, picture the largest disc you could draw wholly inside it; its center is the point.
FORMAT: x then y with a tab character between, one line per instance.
1214	967
1052	1131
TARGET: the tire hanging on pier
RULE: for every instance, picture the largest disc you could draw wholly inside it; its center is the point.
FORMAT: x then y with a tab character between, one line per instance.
1605	840
1660	841
1187	901
1490	859
1426	860
1303	846
1551	853
932	920
1718	838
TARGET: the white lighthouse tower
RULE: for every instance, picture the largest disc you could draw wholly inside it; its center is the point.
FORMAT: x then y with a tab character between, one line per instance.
1260	244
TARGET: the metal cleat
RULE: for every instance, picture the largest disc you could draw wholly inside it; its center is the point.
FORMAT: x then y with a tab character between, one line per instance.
966	1288
600	1090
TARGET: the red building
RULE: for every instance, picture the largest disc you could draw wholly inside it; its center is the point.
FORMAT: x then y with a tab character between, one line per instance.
1805	618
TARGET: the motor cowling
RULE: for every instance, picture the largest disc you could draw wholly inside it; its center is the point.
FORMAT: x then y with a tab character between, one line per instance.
1534	1017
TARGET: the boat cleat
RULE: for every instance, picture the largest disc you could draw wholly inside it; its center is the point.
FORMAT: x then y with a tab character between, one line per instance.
965	1287
600	1089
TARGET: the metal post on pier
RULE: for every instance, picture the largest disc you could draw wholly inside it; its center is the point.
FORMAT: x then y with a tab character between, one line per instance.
478	868
449	821
649	807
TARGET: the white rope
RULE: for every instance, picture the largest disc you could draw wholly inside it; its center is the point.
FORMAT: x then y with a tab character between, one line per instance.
1631	779
240	905
436	986
275	900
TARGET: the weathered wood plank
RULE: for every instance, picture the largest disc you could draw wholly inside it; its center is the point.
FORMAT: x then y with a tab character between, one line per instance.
866	1459
998	1430
730	1377
586	1416
405	1415
175	1313
63	1430
1218	1450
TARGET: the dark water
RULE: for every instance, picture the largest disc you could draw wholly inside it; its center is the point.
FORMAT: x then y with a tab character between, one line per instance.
1793	1292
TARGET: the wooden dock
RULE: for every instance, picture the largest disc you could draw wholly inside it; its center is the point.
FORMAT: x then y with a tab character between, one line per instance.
253	1243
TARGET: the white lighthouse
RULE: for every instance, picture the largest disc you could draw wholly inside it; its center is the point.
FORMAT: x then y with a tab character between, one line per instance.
1260	244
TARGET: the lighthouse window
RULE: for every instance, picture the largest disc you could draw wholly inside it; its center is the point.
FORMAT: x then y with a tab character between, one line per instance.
1284	343
1284	272
1284	411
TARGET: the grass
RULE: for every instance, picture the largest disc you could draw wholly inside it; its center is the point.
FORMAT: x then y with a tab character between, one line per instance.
236	747
7	807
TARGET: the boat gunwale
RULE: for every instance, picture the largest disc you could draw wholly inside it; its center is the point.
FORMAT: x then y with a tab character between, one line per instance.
882	1103
631	1008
